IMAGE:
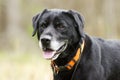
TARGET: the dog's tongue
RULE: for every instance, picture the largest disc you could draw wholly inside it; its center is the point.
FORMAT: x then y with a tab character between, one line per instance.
48	54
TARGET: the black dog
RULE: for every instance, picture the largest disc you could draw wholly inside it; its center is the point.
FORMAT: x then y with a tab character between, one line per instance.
74	55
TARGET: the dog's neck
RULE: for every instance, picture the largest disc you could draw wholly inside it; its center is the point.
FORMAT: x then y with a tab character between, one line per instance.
67	64
62	61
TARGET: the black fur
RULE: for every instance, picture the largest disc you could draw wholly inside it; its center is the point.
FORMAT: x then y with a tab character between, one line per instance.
100	59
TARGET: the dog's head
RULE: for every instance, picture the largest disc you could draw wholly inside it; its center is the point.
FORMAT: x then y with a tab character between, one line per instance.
56	29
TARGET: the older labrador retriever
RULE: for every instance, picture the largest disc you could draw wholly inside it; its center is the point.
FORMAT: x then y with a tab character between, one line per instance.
74	55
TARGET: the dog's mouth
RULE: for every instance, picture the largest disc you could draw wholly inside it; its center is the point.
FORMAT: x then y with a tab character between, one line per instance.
49	53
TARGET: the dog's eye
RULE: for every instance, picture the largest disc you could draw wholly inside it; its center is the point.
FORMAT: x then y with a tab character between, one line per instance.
43	25
60	26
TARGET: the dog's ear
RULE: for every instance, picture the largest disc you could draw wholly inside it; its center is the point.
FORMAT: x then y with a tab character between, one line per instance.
35	21
79	21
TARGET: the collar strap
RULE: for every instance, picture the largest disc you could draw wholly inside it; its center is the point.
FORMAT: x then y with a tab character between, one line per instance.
71	63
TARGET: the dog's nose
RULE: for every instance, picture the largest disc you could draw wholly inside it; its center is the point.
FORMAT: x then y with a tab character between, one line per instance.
45	42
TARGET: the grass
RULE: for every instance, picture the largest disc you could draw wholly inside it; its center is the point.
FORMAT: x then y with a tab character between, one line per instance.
24	67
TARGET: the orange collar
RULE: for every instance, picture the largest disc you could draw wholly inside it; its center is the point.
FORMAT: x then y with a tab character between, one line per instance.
71	63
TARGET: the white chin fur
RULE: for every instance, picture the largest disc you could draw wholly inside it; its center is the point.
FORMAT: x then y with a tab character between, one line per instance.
54	46
55	57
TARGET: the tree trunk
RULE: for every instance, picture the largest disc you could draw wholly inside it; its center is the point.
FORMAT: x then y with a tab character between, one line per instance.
13	23
17	36
110	18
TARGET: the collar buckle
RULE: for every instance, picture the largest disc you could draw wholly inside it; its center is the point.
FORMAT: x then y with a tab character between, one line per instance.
55	67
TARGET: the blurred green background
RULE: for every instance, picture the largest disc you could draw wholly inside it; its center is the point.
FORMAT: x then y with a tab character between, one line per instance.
20	56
